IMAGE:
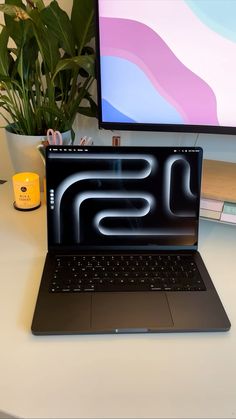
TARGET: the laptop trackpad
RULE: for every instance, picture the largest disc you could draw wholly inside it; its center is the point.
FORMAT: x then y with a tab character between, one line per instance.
130	310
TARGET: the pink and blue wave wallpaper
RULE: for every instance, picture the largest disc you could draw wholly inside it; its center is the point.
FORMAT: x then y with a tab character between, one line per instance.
168	61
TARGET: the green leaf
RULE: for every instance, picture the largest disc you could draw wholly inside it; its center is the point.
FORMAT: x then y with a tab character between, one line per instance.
17	3
5	98
59	24
56	113
83	61
5	79
57	116
4	60
14	27
14	11
40	4
26	55
82	18
91	110
86	111
47	42
29	56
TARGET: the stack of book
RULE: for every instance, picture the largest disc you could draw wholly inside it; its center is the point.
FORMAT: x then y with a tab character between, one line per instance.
211	208
218	210
218	194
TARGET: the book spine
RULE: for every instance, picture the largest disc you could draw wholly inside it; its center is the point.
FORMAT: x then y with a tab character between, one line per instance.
229	208
229	218
215	215
211	204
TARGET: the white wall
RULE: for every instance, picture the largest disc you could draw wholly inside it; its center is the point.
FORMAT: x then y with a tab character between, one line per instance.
217	147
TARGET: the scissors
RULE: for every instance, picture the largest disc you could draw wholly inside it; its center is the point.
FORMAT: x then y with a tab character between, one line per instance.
86	141
54	137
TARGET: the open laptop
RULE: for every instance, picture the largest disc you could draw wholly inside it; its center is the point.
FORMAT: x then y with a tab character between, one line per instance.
122	243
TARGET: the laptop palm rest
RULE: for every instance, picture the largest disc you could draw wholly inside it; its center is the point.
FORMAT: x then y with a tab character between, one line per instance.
130	312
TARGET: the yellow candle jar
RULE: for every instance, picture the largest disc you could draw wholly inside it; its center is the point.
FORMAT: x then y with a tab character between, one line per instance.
26	191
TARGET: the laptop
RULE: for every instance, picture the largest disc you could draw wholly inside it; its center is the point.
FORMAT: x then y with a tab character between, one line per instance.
122	255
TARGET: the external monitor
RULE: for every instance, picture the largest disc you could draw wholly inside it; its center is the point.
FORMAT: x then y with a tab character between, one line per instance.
167	65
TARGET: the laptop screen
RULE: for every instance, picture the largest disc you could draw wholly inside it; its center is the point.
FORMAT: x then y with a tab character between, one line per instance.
123	197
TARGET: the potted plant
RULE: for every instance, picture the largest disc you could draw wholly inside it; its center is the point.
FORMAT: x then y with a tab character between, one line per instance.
46	69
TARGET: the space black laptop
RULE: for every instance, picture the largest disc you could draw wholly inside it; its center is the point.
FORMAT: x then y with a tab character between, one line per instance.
122	243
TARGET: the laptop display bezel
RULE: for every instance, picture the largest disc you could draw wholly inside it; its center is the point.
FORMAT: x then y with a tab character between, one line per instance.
64	248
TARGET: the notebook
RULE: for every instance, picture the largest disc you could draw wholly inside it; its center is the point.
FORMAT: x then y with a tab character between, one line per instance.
122	257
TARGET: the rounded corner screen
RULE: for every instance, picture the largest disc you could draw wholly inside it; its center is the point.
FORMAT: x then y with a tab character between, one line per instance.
168	63
123	196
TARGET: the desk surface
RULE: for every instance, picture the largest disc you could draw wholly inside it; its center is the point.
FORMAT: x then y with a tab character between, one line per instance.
141	376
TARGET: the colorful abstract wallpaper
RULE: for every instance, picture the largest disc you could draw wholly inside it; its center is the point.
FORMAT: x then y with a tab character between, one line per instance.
168	61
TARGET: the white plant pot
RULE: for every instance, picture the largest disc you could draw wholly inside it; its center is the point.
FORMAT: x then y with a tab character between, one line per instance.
24	154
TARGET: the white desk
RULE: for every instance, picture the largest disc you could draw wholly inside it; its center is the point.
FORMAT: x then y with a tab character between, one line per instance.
153	376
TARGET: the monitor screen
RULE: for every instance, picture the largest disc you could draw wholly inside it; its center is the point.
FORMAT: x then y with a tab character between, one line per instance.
167	65
123	197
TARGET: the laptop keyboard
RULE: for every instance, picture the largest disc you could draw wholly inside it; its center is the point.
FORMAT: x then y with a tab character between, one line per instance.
106	273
